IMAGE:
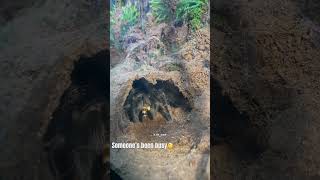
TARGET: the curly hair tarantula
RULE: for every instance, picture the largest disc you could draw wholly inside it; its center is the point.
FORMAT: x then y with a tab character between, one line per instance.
145	100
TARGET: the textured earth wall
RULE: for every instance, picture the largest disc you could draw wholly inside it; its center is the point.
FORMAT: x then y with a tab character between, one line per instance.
266	64
37	53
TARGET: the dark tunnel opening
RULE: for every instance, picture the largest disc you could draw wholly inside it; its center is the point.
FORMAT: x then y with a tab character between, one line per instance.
158	97
78	133
176	98
234	128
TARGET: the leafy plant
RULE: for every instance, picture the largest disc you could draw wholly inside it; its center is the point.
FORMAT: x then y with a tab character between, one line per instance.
117	3
129	17
130	14
121	20
113	28
161	10
191	11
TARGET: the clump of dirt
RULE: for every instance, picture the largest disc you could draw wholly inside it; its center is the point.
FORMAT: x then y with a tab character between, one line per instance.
197	49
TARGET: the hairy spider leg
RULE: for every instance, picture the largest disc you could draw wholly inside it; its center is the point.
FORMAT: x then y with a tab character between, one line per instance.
163	106
137	104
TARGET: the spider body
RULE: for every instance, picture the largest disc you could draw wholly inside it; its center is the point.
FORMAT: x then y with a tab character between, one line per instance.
141	105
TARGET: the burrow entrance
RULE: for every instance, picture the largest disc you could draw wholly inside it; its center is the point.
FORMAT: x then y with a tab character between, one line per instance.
77	137
157	97
234	128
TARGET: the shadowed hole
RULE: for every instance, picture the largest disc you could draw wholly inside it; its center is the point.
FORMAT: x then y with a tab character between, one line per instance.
79	129
234	128
152	94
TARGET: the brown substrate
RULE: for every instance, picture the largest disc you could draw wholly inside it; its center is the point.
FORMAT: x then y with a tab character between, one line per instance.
265	63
